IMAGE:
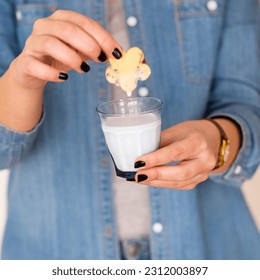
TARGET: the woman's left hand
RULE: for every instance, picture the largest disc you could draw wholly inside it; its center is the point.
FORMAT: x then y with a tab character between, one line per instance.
193	144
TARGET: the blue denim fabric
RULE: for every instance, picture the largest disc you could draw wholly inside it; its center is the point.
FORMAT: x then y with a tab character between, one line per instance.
60	201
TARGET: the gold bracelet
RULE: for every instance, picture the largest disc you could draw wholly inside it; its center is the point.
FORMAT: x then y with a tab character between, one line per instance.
224	144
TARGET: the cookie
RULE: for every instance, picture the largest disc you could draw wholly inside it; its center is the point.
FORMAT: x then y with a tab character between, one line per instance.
128	70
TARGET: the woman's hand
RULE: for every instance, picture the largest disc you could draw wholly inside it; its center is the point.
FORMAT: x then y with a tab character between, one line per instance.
194	145
59	43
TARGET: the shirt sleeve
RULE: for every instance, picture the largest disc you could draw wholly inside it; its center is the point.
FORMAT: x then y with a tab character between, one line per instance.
13	144
236	86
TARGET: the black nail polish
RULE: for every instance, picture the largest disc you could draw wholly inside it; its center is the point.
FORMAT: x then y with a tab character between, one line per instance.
63	76
116	53
84	67
139	164
141	178
102	57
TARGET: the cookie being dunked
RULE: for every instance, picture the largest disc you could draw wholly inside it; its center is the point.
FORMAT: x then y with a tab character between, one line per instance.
128	70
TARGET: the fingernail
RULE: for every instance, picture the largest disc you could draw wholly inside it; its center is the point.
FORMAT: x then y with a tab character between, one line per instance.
116	53
139	164
63	76
102	57
130	179
84	67
141	178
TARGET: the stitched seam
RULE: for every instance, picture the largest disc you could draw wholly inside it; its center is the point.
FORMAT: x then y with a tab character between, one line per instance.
181	49
37	10
198	14
237	80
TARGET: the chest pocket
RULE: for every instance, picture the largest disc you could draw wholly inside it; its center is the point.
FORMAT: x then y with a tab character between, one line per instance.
26	15
199	25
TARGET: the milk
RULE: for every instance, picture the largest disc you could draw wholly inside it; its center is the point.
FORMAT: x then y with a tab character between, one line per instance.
128	137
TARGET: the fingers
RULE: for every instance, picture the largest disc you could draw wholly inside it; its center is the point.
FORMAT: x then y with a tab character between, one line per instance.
70	34
183	171
53	47
104	39
64	41
186	174
180	185
186	144
37	69
174	152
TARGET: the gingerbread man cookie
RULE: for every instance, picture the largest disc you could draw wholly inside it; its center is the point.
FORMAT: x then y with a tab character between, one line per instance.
128	70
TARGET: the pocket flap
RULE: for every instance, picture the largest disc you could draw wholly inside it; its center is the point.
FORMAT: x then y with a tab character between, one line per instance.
189	8
28	13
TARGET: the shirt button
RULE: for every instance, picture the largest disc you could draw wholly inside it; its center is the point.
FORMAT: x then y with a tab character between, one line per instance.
19	15
143	91
131	21
238	170
157	227
212	5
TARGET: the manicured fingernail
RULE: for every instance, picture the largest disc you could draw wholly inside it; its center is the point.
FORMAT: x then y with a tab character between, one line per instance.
102	57
130	179
141	178
139	164
84	67
116	53
63	76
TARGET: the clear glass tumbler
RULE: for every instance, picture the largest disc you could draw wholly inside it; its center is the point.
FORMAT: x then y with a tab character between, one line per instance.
132	128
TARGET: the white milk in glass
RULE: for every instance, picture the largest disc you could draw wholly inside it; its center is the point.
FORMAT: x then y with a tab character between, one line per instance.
131	136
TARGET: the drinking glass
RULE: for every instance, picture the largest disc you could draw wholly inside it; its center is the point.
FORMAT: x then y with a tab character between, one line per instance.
132	128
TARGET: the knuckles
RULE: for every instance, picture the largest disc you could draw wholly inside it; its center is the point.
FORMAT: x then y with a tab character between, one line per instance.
177	153
199	142
212	164
184	174
209	162
48	43
38	24
26	63
68	30
57	13
154	174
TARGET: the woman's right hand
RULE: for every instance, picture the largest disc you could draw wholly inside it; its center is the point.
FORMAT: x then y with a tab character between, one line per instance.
59	43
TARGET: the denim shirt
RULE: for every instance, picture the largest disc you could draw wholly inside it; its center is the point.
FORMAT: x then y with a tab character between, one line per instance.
205	62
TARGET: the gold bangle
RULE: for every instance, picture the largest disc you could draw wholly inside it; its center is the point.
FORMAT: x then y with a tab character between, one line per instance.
224	144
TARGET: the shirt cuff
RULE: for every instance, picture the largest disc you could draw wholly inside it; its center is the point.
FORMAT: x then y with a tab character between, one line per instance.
14	144
242	168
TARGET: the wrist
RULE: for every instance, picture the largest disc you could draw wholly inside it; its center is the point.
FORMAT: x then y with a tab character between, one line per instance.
20	107
234	137
22	82
223	150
